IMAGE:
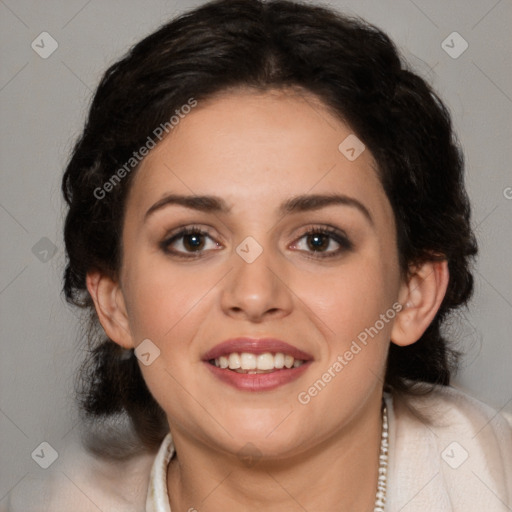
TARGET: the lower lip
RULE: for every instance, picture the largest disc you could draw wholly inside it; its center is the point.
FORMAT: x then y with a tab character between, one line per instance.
258	381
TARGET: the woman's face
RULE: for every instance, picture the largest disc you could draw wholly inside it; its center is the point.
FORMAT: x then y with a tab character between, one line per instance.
252	270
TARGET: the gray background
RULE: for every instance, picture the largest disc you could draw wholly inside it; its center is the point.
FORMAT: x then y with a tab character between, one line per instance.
43	103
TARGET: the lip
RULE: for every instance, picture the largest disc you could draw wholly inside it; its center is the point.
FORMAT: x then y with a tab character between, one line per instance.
255	346
256	381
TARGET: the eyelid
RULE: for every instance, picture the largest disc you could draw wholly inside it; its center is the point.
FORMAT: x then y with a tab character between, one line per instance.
333	233
179	233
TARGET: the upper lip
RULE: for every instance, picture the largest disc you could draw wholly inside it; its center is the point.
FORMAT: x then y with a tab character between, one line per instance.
255	346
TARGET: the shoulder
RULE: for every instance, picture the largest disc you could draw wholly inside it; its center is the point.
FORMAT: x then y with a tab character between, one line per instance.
447	407
83	482
451	448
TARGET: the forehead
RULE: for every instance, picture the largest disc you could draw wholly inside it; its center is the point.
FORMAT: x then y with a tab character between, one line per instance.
255	148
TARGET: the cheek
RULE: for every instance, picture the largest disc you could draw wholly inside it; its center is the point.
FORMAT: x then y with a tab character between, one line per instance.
159	298
355	308
352	297
357	325
166	307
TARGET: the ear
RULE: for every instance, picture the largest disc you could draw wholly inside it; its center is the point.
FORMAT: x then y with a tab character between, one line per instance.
110	307
421	297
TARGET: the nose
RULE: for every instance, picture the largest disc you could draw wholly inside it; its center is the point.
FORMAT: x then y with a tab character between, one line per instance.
258	290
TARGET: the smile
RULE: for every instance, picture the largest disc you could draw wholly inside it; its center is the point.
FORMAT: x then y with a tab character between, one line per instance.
256	364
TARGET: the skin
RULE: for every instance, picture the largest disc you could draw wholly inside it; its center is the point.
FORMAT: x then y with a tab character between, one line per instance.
256	150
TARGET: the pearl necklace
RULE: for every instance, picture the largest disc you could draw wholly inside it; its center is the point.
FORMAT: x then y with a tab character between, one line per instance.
380	498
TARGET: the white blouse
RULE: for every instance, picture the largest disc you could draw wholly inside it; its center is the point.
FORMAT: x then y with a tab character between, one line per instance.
461	462
456	458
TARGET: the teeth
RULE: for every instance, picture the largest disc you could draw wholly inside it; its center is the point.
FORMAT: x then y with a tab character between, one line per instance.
234	361
248	361
267	361
288	361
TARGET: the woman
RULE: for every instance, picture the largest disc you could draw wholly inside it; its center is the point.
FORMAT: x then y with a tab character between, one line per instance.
267	216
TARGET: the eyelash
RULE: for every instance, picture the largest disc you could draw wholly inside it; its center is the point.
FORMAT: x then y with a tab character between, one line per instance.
332	233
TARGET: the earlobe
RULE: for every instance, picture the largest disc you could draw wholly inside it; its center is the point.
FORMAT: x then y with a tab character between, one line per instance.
110	307
421	296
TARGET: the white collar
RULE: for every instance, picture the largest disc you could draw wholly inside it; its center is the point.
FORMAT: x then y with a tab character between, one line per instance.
157	499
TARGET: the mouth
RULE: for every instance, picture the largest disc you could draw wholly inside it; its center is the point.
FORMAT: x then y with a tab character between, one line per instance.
256	364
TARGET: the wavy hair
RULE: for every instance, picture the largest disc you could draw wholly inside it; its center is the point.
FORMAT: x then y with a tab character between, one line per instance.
357	72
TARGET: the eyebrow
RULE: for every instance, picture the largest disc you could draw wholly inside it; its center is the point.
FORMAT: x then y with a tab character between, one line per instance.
301	203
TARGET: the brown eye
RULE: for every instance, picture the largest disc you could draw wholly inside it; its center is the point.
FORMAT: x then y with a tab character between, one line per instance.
193	241
319	240
188	242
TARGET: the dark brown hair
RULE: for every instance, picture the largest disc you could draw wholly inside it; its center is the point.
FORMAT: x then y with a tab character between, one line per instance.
357	72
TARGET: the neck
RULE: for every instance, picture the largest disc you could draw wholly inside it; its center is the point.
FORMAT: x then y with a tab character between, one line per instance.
339	473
